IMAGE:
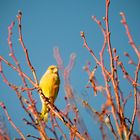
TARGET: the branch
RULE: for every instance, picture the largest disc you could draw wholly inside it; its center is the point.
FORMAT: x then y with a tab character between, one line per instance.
19	17
10	120
123	21
135	100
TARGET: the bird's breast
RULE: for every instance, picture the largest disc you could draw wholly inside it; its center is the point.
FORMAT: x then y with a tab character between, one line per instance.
50	84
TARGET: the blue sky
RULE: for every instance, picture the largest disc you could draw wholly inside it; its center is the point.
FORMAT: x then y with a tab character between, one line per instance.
48	24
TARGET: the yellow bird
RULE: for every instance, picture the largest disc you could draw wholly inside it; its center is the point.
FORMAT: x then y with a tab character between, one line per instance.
49	84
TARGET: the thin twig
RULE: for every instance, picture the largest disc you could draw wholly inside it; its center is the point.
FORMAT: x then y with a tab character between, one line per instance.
19	17
10	120
123	21
135	100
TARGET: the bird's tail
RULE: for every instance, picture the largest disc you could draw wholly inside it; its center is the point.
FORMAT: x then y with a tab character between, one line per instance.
44	113
45	117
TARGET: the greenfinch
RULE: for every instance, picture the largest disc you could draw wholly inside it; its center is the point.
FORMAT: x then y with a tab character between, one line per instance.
49	84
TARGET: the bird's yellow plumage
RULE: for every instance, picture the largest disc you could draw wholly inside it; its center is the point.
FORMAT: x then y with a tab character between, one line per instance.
49	84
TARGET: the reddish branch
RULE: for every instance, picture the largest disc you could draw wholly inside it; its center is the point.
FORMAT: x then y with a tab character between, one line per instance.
135	100
31	106
130	59
12	54
123	21
116	105
10	120
114	83
68	89
134	82
127	76
106	74
19	17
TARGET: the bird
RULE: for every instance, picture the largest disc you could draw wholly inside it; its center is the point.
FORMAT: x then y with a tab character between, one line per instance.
49	84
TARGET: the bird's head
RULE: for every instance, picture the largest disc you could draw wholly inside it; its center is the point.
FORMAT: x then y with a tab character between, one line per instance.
53	69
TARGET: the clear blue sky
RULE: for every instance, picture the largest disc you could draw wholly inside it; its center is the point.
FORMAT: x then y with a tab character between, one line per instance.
48	24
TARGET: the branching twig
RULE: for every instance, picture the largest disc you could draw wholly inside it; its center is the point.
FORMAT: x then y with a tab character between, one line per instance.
19	17
123	21
135	100
10	120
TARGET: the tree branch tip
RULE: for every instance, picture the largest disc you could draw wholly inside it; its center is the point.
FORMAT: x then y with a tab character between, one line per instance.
117	58
114	50
20	12
104	18
97	21
73	56
82	34
11	26
126	54
93	17
2	105
121	13
19	16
